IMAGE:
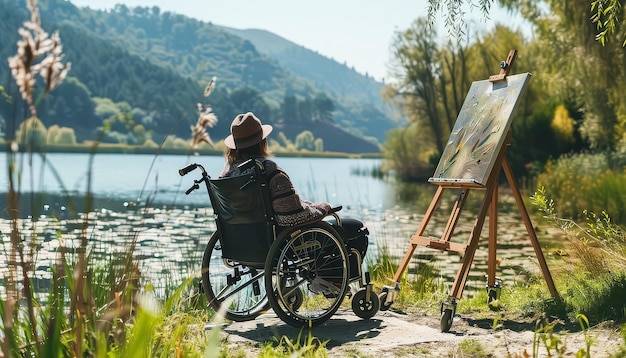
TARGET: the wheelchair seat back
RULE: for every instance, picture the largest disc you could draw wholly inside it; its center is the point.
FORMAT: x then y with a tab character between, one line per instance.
244	215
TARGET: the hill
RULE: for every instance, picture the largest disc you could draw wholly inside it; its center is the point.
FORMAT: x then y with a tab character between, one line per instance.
339	80
140	67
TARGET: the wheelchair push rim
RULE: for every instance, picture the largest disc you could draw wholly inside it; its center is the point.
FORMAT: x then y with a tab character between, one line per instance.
307	272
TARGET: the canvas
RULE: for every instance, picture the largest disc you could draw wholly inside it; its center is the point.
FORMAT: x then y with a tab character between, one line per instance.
480	131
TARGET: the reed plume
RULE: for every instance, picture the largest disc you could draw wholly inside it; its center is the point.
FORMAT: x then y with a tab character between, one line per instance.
38	53
206	119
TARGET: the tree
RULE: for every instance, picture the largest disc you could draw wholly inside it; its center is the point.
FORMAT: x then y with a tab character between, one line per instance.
605	14
563	126
290	109
319	145
32	134
140	133
249	99
430	81
305	110
576	68
323	108
305	140
71	105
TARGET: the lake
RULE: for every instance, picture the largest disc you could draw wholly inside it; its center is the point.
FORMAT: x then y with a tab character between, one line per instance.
132	178
171	235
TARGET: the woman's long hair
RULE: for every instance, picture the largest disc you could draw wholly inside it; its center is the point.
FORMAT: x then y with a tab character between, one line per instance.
241	155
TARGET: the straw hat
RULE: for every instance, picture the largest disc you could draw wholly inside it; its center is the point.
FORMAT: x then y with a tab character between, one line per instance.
247	131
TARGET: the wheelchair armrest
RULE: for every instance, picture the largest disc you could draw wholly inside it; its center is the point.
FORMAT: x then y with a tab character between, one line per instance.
333	212
335	209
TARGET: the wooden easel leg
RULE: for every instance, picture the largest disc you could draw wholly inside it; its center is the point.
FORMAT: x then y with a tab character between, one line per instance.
468	257
493	232
420	230
529	227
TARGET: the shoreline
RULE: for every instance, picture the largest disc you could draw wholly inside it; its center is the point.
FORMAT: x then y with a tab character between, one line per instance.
108	148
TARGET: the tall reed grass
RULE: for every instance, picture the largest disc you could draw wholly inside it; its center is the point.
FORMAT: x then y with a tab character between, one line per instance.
94	307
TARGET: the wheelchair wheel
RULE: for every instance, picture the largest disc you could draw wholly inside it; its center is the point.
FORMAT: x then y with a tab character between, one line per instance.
237	291
363	307
307	270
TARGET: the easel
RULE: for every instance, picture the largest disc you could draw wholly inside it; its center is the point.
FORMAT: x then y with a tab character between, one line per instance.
489	205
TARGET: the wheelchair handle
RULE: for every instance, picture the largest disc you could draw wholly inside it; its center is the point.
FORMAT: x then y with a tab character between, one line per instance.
184	171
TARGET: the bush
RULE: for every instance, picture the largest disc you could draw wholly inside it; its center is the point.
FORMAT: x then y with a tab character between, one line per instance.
32	134
586	182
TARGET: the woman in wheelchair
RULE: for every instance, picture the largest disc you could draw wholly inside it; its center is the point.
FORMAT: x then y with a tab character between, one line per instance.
248	140
314	256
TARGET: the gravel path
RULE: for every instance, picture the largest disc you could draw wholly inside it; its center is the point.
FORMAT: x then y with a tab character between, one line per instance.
391	334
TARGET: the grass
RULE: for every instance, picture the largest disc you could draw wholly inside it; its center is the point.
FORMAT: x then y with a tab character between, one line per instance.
469	348
309	347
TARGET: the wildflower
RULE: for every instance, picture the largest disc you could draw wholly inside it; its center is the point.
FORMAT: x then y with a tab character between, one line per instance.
37	54
206	119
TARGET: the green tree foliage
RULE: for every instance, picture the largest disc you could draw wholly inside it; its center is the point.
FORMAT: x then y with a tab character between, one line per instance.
249	99
563	126
60	135
434	79
175	142
149	143
282	140
323	108
66	136
105	108
429	89
305	140
577	68
70	105
431	81
290	109
605	14
307	110
408	152
31	134
319	145
140	133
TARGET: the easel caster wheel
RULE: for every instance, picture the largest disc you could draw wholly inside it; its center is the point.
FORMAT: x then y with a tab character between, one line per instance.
364	308
382	297
446	319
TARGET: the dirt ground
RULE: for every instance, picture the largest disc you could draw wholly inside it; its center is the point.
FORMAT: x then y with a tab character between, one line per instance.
391	334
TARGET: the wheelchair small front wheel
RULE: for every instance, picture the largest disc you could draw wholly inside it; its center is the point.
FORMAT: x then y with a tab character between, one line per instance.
365	308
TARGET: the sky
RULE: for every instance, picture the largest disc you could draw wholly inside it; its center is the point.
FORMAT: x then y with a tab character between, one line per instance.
357	33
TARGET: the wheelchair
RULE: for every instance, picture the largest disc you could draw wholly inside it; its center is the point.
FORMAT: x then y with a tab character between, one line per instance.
250	264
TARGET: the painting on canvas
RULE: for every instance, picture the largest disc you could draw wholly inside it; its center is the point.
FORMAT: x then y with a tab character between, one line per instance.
480	131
